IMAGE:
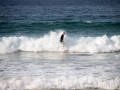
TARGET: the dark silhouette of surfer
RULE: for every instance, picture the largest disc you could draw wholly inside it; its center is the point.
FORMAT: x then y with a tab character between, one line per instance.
62	39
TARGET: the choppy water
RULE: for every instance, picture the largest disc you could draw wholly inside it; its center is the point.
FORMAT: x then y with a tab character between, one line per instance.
51	70
30	56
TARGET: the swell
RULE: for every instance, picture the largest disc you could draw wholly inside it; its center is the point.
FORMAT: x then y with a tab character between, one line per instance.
92	23
52	25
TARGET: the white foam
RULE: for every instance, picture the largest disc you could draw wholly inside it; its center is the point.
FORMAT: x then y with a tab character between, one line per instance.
97	44
50	42
88	21
71	82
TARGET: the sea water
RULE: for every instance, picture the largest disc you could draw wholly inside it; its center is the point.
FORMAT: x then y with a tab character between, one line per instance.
30	56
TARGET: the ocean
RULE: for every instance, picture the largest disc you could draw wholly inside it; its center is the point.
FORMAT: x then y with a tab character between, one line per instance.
30	48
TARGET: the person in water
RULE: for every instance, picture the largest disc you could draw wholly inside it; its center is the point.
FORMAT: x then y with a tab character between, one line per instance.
62	39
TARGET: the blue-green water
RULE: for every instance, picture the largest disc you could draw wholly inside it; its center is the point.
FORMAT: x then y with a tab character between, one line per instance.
38	18
30	51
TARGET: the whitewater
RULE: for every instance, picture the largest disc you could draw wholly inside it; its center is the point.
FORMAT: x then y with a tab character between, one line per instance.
36	62
51	42
59	71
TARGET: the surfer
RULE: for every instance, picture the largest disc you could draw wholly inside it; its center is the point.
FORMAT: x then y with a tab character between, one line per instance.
62	39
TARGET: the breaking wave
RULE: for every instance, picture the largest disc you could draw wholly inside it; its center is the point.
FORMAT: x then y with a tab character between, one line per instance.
50	42
58	83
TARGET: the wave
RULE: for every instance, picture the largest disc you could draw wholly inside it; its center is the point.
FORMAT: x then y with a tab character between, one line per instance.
50	42
89	23
60	83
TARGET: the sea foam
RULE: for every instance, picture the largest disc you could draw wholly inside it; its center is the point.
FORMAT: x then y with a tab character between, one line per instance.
71	83
50	42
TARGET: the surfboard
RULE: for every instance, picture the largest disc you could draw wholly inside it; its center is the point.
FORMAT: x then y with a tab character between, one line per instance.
64	50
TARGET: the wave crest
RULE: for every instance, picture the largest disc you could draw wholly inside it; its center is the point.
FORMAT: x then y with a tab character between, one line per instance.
50	42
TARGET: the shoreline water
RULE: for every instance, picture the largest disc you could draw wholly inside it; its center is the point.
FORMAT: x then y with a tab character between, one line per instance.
62	71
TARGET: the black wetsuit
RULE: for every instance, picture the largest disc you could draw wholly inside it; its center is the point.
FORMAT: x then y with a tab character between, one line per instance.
61	38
